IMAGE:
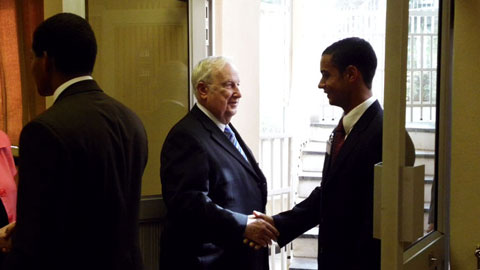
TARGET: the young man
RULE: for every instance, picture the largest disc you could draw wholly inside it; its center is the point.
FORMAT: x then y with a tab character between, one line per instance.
343	205
81	163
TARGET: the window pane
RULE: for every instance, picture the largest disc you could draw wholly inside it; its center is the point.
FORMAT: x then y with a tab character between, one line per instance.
409	88
416	86
427	52
426	87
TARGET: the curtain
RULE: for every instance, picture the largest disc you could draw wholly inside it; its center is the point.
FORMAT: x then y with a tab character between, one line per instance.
19	102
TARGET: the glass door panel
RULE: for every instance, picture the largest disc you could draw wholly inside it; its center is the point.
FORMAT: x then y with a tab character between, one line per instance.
143	62
421	101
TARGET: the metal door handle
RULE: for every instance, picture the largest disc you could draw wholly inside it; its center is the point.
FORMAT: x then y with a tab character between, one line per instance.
433	261
477	254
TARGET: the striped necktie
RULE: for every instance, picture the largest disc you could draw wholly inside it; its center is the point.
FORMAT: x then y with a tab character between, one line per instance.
231	136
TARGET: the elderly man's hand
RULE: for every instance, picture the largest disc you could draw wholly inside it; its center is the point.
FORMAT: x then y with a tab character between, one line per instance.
268	219
260	231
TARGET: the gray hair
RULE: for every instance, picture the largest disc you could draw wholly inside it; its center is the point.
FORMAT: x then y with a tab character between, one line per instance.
204	69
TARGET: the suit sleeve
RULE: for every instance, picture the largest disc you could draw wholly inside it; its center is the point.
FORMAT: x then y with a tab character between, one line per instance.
299	219
186	182
41	164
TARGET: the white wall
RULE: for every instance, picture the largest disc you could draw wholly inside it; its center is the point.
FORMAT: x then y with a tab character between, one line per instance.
236	36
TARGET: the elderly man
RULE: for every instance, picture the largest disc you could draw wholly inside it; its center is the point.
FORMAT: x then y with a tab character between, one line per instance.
211	181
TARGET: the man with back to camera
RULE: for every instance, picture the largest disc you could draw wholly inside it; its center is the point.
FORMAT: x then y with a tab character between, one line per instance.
81	162
211	181
343	205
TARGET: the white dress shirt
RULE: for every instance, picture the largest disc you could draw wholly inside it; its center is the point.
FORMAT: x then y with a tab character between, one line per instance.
219	124
352	117
66	84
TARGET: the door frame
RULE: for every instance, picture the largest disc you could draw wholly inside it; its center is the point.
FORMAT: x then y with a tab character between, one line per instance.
200	36
430	252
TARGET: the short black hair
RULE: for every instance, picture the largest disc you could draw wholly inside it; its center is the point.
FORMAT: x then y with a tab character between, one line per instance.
69	40
357	52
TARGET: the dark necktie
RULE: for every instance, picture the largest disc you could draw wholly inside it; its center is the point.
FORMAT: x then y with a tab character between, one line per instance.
231	136
338	139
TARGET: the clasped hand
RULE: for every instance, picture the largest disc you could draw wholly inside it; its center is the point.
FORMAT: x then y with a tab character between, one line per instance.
6	237
260	231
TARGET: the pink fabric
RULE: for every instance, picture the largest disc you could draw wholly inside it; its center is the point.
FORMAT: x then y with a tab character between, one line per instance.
8	188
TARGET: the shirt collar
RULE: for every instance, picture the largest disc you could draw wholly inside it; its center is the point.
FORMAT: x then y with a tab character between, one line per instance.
217	122
352	117
66	84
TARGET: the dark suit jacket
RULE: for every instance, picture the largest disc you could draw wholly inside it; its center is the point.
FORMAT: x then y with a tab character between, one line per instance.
343	204
81	165
209	189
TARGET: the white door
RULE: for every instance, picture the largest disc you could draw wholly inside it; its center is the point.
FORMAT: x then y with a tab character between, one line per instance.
413	90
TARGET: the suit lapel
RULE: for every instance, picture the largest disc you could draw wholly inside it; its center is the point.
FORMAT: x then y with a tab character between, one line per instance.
223	141
220	138
351	141
252	163
252	166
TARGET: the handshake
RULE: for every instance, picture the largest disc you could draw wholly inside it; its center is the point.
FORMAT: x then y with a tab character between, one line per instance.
260	231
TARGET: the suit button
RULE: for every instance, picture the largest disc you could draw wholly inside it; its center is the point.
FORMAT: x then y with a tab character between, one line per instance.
3	192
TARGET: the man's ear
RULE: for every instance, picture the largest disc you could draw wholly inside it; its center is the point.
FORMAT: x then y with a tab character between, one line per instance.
202	90
49	62
352	73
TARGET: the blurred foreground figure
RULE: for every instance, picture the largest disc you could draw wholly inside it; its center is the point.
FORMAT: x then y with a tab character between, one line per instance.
81	163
